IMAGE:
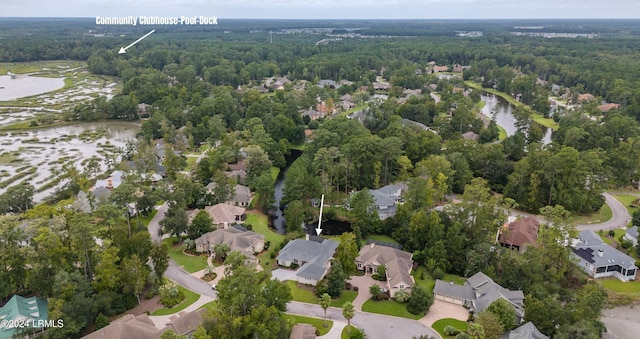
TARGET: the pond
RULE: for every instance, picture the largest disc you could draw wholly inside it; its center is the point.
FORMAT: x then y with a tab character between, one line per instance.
37	156
24	86
502	111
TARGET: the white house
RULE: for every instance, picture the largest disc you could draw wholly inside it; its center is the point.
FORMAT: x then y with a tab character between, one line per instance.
600	260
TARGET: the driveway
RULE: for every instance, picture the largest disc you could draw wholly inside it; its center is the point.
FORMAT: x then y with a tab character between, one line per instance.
375	325
363	283
442	309
154	224
283	275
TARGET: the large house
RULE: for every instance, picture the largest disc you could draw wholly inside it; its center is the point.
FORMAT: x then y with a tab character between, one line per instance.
222	215
246	242
386	198
22	309
142	327
520	233
477	293
312	254
398	266
601	260
241	194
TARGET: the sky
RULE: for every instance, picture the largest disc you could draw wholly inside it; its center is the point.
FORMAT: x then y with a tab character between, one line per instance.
327	9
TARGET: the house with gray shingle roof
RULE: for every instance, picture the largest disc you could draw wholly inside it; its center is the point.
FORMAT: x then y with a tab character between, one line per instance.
246	242
386	198
631	234
477	293
526	331
312	254
398	266
600	260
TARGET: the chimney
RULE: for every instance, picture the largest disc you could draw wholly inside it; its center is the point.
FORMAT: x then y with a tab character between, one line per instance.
306	237
600	253
372	244
109	183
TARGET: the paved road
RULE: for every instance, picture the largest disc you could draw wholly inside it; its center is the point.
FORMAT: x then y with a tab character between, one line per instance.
375	325
154	224
620	216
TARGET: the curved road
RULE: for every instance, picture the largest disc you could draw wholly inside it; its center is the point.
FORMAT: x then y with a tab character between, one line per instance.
620	217
375	325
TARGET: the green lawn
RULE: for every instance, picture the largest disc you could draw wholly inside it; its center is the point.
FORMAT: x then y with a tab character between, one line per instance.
424	278
187	262
604	235
299	147
602	215
274	172
260	224
442	323
145	220
381	237
503	133
212	305
189	298
317	323
345	331
356	108
389	307
299	294
616	285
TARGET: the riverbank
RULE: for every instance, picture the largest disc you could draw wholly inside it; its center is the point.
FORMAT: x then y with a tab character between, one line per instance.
539	118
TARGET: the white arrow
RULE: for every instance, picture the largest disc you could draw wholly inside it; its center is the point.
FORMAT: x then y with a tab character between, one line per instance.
124	49
319	230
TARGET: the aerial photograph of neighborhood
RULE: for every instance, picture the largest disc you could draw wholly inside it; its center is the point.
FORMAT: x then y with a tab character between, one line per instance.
381	169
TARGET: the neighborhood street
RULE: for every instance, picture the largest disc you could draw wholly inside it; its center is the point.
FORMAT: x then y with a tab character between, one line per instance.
619	216
375	325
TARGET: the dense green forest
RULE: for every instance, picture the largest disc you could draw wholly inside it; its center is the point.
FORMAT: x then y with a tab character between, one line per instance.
203	87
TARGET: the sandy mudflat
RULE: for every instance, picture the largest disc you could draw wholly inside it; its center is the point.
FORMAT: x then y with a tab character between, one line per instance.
11	89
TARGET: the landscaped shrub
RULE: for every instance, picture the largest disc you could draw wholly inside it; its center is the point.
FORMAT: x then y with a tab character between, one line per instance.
451	331
267	244
170	295
273	254
462	335
293	266
383	296
355	288
101	321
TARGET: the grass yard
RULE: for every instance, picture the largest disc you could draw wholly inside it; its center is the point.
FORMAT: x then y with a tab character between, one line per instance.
299	294
602	215
317	323
424	278
146	220
260	224
299	147
389	307
604	235
212	305
503	133
381	237
442	323
357	108
189	298
616	285
187	262
274	172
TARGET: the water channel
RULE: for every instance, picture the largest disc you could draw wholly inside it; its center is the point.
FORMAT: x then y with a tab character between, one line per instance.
500	109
